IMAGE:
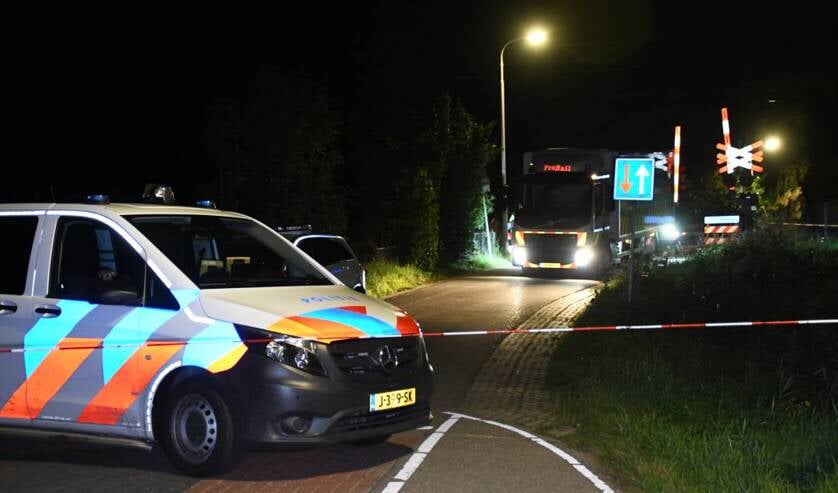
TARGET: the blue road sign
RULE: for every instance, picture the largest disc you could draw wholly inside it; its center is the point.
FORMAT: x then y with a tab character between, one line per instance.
634	179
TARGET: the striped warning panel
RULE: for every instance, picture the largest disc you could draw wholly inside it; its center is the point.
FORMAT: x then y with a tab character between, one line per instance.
722	229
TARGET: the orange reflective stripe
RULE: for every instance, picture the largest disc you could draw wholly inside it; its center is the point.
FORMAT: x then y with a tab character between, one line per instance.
407	326
53	372
131	380
15	407
293	327
326	330
357	309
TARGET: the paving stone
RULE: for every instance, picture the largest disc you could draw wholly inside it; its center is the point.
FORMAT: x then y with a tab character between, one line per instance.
511	385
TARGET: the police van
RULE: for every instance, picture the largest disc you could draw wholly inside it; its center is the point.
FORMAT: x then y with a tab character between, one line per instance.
196	329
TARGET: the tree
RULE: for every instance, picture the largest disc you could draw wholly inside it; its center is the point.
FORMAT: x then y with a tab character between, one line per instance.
784	202
293	134
225	146
444	159
469	151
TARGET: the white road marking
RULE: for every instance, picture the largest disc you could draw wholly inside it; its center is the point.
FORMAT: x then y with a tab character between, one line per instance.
429	442
411	465
584	471
393	487
415	460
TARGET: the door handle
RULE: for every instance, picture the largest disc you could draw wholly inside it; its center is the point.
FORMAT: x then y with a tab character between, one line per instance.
7	307
48	311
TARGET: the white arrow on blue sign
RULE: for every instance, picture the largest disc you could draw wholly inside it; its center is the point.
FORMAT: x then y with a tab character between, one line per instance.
634	179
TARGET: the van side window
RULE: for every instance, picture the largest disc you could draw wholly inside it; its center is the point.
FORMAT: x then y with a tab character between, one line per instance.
93	263
15	250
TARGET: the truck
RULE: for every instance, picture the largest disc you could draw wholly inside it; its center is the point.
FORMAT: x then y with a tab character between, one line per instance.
565	215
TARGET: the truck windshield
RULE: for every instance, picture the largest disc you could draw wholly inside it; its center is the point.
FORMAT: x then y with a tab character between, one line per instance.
571	200
223	252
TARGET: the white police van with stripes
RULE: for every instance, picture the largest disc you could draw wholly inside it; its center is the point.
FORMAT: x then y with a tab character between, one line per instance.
194	328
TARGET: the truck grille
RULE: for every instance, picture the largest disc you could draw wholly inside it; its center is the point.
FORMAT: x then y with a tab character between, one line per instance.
367	420
550	248
358	359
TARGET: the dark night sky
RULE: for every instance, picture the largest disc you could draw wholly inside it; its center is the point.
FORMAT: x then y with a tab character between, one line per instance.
110	93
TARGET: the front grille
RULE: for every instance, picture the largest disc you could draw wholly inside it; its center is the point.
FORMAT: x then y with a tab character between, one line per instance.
551	248
358	359
367	420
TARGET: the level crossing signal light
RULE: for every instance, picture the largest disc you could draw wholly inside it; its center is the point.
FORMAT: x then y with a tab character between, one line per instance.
733	157
676	169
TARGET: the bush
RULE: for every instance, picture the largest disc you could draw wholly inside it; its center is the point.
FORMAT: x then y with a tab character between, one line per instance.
713	409
386	277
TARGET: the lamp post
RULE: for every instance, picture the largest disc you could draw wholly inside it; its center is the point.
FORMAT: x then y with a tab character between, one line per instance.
535	37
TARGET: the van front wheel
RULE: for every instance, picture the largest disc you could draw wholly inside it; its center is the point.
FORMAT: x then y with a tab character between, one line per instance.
199	432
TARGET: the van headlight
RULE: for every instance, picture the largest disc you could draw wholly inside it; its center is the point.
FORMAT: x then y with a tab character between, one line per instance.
583	257
296	352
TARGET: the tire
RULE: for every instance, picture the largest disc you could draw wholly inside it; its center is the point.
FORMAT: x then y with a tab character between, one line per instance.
200	435
366	442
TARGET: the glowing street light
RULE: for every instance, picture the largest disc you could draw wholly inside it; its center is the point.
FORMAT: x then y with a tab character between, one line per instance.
535	37
773	143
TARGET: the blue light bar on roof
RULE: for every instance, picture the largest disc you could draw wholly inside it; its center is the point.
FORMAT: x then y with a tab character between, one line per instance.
98	198
206	204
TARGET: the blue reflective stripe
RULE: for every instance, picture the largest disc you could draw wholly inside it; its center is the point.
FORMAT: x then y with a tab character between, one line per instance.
210	344
185	297
132	331
48	332
372	326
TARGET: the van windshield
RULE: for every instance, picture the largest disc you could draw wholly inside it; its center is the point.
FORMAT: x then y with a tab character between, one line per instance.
223	252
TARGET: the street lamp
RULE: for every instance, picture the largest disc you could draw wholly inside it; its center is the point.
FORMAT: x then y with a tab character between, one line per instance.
535	37
773	143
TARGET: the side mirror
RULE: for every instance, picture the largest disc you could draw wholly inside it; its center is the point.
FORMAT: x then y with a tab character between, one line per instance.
360	289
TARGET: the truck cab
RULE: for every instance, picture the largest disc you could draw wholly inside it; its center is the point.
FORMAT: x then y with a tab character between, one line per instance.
566	216
565	213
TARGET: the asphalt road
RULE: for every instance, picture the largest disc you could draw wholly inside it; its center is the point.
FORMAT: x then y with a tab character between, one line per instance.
463	455
501	299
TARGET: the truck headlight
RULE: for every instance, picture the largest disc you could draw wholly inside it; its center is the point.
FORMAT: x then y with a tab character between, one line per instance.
519	255
670	232
583	257
295	352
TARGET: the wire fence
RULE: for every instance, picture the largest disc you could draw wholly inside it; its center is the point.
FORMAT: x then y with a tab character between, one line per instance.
483	244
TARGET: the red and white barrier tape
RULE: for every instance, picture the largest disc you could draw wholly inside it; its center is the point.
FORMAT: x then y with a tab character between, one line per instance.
550	330
602	328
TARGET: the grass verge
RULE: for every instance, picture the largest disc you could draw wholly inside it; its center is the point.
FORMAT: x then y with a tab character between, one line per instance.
387	277
712	409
